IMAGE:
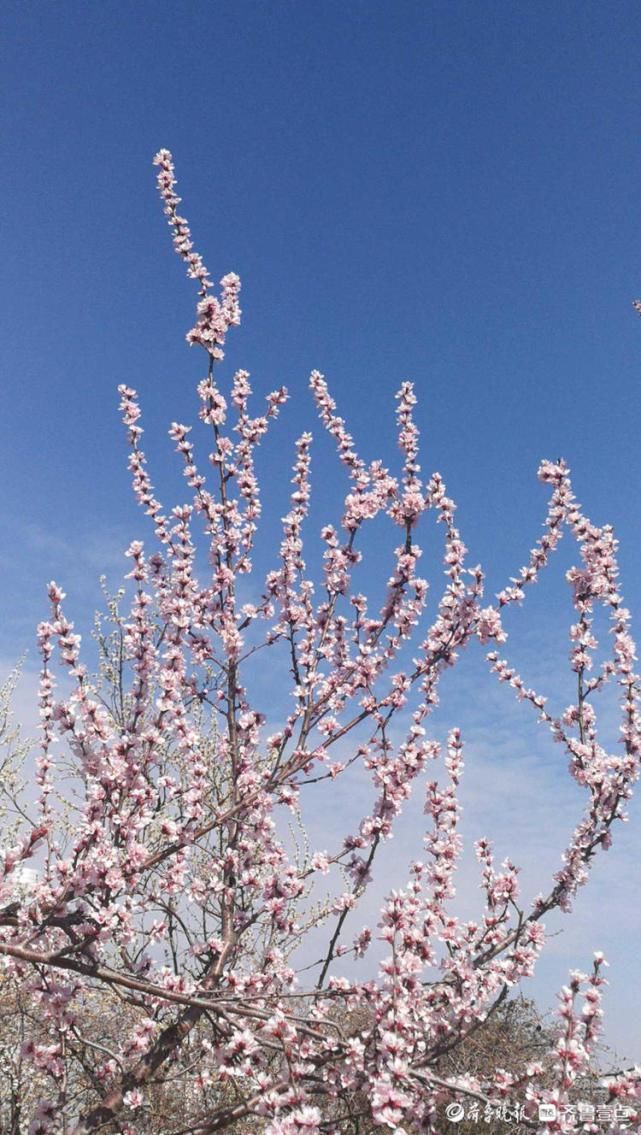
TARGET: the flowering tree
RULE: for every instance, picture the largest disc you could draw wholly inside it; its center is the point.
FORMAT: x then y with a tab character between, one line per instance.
157	946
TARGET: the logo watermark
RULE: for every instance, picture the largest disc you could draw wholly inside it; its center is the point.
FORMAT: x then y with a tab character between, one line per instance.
546	1111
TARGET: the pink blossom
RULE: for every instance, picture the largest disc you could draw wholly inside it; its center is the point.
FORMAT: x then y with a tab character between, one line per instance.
178	874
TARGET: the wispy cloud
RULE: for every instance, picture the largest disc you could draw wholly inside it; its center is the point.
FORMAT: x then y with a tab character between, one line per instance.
516	790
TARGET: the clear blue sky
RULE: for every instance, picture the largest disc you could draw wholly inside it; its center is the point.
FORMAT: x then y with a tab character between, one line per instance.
447	192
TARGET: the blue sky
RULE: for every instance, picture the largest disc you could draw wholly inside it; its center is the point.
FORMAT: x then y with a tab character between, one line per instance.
445	192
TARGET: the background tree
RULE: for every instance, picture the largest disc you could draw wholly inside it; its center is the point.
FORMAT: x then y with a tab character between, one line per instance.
159	944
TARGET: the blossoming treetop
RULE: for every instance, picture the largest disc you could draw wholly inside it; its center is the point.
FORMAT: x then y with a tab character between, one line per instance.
169	899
